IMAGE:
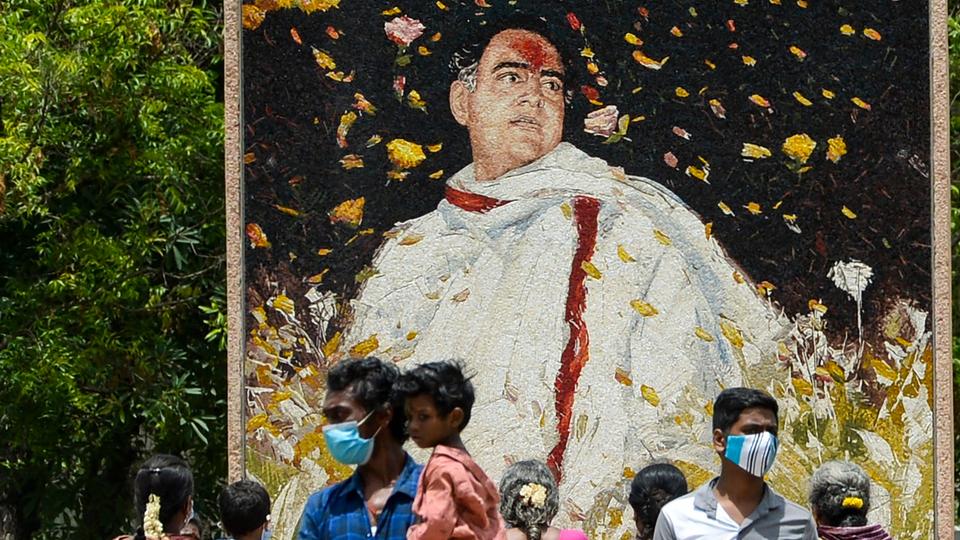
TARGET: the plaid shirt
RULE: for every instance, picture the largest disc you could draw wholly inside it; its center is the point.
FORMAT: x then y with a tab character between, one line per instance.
340	511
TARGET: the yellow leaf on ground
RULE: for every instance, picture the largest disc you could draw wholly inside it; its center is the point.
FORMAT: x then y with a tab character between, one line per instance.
872	34
566	210
622	377
803	100
643	308
757	99
681	92
461	296
365	347
848	212
708	230
591	270
436	175
650	395
318	278
411	336
624	256
753	208
828	94
648	62
725	208
632	39
847	30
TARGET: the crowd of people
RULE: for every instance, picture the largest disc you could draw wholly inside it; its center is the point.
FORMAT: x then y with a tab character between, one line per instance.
371	409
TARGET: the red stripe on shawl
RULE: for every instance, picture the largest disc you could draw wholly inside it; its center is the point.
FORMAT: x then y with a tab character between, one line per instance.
577	351
472	202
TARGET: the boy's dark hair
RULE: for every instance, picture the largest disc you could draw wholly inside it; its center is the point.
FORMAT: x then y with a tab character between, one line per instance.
169	478
371	382
652	488
244	506
443	381
733	401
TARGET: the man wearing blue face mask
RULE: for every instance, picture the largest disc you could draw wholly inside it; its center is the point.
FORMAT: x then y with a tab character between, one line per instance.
738	504
365	428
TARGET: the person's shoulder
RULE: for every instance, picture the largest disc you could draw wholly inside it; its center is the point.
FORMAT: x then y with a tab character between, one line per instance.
321	498
681	506
791	510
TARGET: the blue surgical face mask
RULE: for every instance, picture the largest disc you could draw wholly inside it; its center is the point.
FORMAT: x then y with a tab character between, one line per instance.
753	453
345	443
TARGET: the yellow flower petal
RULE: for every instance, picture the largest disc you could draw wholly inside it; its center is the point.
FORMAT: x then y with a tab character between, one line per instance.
622	377
324	252
755	151
698	173
847	30
860	103
799	147
836	148
323	59
662	238
749	60
648	62
710	64
848	212
591	270
803	101
643	308
405	154
753	208
872	34
624	256
391	11
349	212
650	395
732	333
681	92
676	32
365	347
703	334
632	39
725	208
828	94
798	52
436	175
708	230
566	210
283	303
760	100
410	239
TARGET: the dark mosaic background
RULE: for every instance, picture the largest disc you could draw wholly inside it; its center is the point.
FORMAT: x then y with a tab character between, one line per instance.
292	110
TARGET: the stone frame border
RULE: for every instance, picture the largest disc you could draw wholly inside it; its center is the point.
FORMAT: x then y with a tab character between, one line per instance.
940	232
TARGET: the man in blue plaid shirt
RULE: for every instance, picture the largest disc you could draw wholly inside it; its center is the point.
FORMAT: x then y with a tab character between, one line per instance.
366	428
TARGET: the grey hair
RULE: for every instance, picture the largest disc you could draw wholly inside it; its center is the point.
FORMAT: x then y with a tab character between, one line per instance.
833	482
520	514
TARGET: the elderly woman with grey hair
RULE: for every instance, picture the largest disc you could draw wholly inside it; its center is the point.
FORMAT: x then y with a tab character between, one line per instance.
840	499
529	501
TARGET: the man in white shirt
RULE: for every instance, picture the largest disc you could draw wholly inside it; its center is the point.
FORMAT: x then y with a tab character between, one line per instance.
738	504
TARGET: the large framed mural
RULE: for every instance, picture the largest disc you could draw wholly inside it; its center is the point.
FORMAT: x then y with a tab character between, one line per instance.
609	211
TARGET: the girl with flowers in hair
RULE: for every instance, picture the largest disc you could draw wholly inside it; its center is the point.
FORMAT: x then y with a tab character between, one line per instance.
163	491
529	501
840	500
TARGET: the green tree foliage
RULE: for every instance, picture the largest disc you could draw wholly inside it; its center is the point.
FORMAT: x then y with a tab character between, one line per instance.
111	256
954	36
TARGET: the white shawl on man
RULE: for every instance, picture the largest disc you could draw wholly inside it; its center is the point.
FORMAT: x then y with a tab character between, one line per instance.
666	322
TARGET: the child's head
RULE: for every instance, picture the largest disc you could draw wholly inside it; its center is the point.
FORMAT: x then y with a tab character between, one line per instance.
652	488
438	399
528	497
244	509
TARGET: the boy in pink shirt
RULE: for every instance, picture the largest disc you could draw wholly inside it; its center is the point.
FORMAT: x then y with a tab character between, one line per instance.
455	498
